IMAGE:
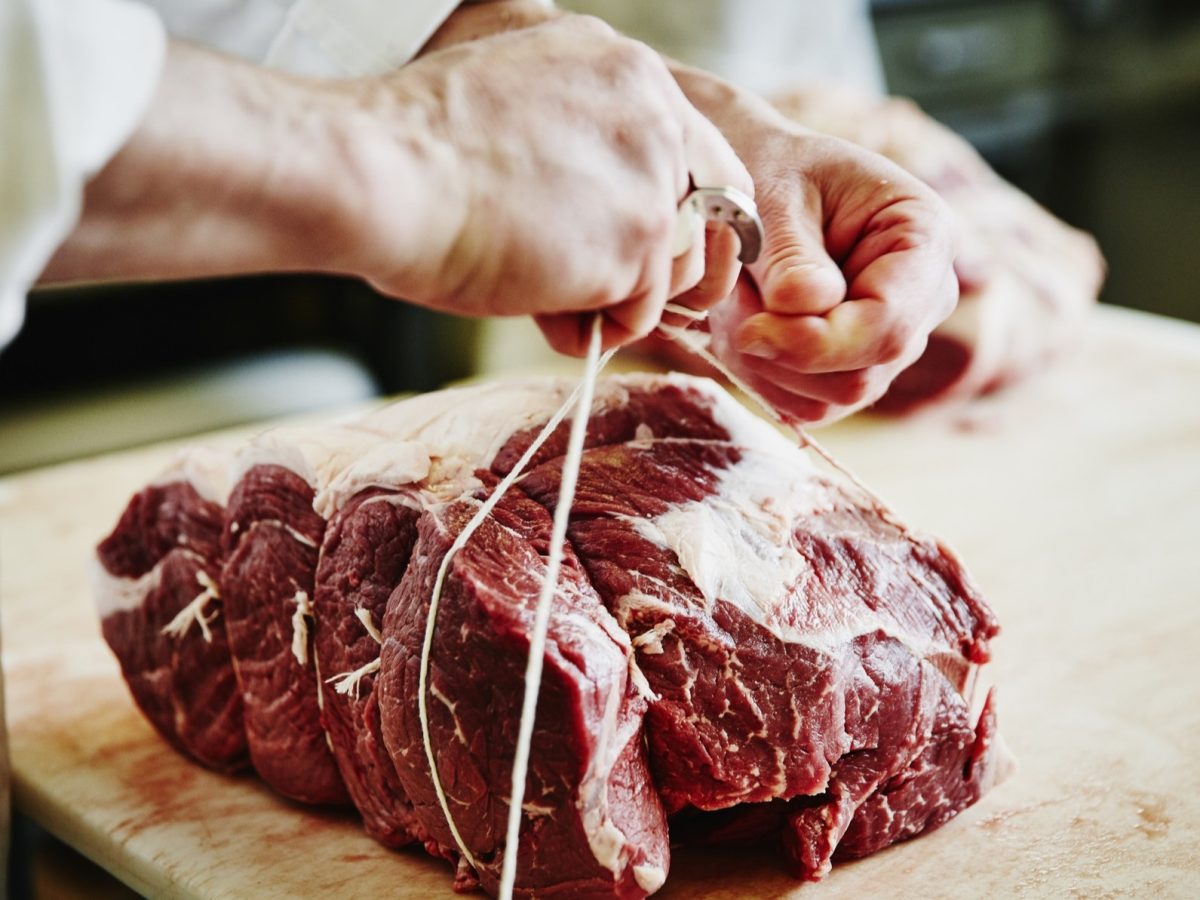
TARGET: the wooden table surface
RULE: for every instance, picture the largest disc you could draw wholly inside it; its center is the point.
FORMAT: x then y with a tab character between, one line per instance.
1075	500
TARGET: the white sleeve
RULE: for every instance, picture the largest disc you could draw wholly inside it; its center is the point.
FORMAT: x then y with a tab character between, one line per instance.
340	38
75	79
318	38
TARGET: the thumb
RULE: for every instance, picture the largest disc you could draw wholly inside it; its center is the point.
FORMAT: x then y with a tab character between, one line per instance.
795	275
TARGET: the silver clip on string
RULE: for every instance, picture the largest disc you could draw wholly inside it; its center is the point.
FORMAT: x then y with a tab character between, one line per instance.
726	205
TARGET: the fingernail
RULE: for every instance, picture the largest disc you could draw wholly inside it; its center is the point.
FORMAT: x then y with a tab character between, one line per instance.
760	347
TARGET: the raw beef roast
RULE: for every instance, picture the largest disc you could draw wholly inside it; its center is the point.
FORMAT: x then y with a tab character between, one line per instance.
743	646
157	583
272	538
366	551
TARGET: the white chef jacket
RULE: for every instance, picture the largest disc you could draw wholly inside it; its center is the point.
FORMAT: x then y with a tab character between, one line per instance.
77	75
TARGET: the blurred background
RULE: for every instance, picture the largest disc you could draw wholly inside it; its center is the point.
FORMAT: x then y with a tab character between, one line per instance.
1091	106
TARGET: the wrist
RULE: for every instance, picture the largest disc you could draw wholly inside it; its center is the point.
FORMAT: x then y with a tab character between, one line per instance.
293	187
739	114
401	188
482	18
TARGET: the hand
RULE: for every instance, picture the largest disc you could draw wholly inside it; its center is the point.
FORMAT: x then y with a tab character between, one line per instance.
545	195
471	181
1026	280
856	271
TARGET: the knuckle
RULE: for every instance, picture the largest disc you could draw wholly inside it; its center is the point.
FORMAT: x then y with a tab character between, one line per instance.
902	106
671	135
651	227
890	346
645	60
636	230
634	60
856	386
816	411
588	25
940	223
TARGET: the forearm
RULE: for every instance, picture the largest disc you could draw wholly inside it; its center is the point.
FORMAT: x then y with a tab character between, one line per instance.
234	169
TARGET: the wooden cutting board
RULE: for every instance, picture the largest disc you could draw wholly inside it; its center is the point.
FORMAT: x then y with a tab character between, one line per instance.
1075	499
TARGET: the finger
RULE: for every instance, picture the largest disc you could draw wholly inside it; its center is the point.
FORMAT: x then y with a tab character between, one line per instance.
637	316
623	323
857	334
910	273
721	270
794	407
564	332
795	273
634	318
571	333
688	268
711	162
790	400
860	386
918	231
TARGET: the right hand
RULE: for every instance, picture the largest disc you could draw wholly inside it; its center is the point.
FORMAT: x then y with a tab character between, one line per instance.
550	163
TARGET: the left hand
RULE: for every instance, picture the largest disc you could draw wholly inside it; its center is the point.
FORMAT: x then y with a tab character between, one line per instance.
856	268
856	271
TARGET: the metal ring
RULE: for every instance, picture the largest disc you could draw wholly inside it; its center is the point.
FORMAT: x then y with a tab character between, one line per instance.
735	209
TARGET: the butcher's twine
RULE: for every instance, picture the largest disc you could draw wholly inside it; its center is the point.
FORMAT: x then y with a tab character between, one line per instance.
368	622
194	611
300	617
581	400
537	643
347	683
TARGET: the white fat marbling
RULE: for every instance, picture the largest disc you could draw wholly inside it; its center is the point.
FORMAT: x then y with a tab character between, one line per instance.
114	593
390	465
208	470
650	642
608	843
436	441
749	430
736	545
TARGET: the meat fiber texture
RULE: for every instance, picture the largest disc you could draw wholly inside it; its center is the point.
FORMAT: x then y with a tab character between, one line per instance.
1026	280
742	647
